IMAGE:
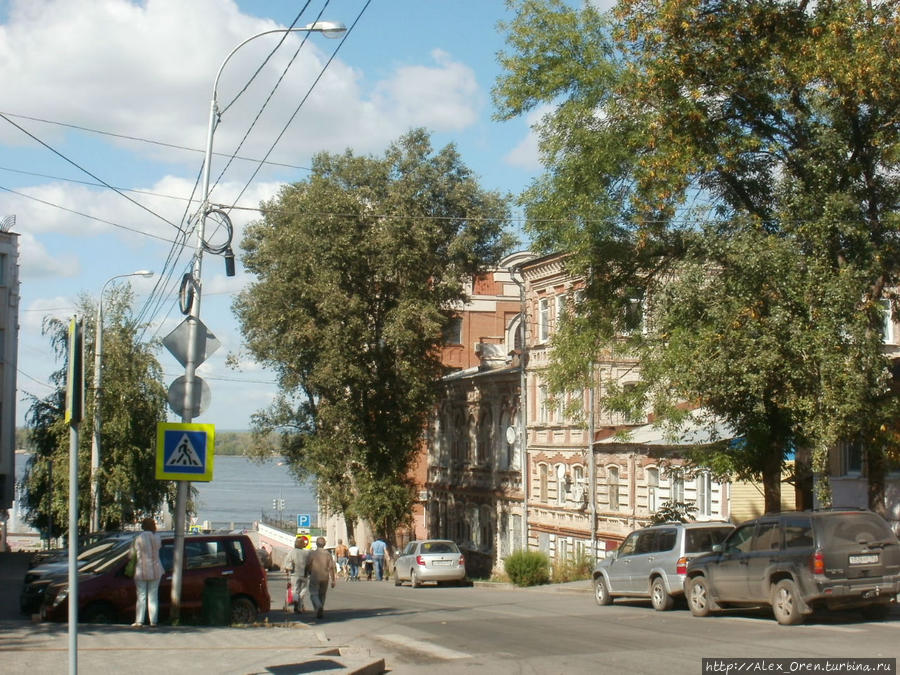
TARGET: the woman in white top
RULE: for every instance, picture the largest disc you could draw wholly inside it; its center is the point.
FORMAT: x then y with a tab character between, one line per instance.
148	570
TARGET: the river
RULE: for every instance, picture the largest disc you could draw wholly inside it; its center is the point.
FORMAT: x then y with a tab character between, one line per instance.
240	492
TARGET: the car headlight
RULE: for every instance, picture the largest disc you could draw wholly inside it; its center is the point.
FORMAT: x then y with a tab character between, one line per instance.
61	596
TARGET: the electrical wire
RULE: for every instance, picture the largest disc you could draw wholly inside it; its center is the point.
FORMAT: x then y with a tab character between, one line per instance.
303	100
86	215
273	90
81	168
163	144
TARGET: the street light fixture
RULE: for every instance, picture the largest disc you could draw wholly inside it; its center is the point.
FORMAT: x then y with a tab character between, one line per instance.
95	442
330	29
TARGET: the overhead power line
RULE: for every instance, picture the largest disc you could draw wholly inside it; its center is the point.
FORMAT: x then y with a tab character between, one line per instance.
149	141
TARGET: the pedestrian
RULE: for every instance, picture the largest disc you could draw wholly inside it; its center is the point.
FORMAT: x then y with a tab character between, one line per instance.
379	548
369	565
320	568
296	566
148	570
342	553
353	560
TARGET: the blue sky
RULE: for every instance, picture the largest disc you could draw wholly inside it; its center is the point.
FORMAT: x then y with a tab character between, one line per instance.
145	70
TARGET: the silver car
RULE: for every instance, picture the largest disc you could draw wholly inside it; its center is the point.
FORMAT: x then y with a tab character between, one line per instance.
652	562
436	560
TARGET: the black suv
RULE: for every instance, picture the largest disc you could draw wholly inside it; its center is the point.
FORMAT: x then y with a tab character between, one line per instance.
798	561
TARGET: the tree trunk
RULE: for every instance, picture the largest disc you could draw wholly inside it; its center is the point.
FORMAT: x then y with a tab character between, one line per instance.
772	480
350	524
803	479
875	462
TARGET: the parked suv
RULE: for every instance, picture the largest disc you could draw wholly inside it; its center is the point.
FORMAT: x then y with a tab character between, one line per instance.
652	562
106	594
798	561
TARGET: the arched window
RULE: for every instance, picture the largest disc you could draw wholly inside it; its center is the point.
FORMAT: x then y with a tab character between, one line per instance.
486	523
561	490
612	483
504	457
485	437
652	489
544	471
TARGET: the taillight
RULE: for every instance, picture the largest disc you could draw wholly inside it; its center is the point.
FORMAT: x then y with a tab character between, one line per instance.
462	561
817	563
681	565
420	561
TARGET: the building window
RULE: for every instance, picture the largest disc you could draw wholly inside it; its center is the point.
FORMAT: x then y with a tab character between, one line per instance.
612	481
677	491
561	484
543	405
453	331
887	328
704	493
544	320
543	483
851	458
578	486
652	490
561	301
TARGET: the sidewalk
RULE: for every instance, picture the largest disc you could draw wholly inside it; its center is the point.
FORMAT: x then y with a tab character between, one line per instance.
283	645
27	647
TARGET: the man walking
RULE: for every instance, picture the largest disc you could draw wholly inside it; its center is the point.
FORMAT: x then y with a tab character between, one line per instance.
296	565
320	569
378	550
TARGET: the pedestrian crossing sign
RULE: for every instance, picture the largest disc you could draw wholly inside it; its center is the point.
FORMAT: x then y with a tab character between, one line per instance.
184	451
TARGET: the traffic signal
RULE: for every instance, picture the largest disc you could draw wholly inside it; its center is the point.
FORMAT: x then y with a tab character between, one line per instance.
275	504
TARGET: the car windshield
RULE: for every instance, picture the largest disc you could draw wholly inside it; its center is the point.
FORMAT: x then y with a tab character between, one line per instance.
439	547
702	540
857	528
108	558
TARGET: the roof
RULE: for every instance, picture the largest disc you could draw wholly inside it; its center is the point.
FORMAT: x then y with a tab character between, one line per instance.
701	428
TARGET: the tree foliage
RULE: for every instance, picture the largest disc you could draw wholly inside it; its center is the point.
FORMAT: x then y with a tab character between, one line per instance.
358	268
733	166
133	401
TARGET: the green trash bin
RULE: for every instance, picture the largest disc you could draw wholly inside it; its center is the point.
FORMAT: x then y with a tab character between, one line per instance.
216	602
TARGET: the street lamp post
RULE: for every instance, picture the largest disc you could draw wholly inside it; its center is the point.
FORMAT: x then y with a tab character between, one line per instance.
98	358
329	29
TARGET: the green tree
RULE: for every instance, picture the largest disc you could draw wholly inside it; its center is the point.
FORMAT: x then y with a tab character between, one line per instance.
133	401
781	120
358	269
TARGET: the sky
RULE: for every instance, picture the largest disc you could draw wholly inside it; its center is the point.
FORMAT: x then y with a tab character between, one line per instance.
100	93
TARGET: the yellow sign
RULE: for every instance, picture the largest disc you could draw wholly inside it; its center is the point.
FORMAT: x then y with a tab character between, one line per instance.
185	451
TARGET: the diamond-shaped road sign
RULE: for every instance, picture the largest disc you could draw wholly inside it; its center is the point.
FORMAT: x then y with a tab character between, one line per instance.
178	341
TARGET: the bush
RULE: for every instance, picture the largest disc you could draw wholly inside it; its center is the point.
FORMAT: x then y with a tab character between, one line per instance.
528	568
572	570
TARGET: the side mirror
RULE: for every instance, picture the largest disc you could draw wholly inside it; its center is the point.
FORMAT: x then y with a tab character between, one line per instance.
612	555
717	548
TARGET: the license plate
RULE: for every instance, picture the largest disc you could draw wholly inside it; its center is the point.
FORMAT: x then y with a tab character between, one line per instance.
865	559
442	563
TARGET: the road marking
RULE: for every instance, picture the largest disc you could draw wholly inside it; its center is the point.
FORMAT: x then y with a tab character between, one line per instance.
422	646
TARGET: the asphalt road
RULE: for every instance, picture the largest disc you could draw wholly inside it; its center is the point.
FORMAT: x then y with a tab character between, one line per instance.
456	630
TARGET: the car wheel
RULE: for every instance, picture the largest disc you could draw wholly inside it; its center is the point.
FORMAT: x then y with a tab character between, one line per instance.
99	612
698	596
243	611
397	581
659	596
786	603
601	591
414	579
876	612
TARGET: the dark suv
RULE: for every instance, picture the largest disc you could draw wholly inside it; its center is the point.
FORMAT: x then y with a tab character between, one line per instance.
652	562
798	561
106	594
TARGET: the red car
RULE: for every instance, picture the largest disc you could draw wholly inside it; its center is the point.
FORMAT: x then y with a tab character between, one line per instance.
107	595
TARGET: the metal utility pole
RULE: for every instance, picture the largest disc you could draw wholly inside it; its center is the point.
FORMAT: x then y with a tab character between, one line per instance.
191	288
74	409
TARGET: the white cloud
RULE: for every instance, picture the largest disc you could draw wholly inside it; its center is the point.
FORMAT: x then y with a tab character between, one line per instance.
140	69
35	262
526	154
